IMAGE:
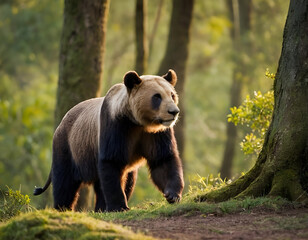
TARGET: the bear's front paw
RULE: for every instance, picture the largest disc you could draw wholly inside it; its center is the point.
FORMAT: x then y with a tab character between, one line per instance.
171	196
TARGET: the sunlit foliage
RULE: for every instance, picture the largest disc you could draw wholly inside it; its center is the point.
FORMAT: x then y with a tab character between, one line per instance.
256	114
12	203
206	184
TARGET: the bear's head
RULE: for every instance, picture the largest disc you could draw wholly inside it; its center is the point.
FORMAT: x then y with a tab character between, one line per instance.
153	100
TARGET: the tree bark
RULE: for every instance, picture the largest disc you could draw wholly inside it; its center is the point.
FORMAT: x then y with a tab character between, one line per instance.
141	36
176	56
81	54
81	58
240	16
282	166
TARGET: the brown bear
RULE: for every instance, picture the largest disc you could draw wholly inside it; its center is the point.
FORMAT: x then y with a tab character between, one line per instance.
103	141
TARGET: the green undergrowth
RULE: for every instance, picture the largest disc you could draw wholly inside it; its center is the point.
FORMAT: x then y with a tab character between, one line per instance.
50	224
190	208
12	203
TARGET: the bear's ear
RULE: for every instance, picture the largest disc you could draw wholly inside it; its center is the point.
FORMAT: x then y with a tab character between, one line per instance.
131	79
171	77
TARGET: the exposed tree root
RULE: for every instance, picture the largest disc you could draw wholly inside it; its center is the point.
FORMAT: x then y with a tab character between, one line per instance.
285	183
259	187
235	188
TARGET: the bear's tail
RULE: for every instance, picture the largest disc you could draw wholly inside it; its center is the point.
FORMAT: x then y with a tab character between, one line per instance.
38	191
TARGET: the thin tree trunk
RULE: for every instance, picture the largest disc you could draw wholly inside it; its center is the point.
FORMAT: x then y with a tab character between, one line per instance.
81	57
176	56
240	16
154	30
282	166
141	36
232	140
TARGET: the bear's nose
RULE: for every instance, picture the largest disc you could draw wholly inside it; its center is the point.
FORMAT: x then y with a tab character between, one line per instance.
174	111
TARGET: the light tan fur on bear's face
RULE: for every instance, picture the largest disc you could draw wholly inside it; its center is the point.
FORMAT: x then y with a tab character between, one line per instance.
140	103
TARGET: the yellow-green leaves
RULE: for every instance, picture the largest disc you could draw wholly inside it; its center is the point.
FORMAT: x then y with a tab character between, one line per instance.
12	204
256	114
206	184
270	75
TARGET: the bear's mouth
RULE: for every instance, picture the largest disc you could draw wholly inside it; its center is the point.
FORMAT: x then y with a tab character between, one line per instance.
159	124
166	122
161	121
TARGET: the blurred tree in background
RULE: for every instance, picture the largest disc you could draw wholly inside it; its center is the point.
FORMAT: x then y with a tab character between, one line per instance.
81	53
240	16
30	33
176	57
141	37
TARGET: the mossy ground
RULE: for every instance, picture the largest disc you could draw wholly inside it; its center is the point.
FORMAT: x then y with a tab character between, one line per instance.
188	207
50	224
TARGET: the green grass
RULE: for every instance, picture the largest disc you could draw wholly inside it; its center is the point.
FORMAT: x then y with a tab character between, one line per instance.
50	224
187	207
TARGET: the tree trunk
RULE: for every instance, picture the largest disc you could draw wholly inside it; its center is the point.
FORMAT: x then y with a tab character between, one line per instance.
240	16
141	37
176	56
282	166
154	30
81	56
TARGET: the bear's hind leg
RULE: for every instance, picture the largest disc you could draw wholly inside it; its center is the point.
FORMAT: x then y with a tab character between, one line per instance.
65	191
110	179
100	205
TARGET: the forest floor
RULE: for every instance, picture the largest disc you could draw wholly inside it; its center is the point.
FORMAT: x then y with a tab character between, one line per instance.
249	218
258	223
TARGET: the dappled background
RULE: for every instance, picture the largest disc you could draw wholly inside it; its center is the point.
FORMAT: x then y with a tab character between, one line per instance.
30	33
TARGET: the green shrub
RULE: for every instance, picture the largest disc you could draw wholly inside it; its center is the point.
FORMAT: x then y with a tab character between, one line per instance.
12	204
255	113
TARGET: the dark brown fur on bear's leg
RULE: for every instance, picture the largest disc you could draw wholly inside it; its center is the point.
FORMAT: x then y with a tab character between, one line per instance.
168	178
131	179
65	192
65	185
100	205
110	179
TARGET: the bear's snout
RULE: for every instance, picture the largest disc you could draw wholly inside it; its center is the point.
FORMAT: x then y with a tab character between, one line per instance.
174	111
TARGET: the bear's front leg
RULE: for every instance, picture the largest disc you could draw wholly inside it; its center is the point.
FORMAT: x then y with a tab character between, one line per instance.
168	177
110	177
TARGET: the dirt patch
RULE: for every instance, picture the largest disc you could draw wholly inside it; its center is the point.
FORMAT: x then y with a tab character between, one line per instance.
257	224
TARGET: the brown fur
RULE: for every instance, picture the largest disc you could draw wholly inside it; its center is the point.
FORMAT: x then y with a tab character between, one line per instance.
83	137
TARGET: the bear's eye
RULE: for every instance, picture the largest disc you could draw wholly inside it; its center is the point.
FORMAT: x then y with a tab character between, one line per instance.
157	95
173	97
156	101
